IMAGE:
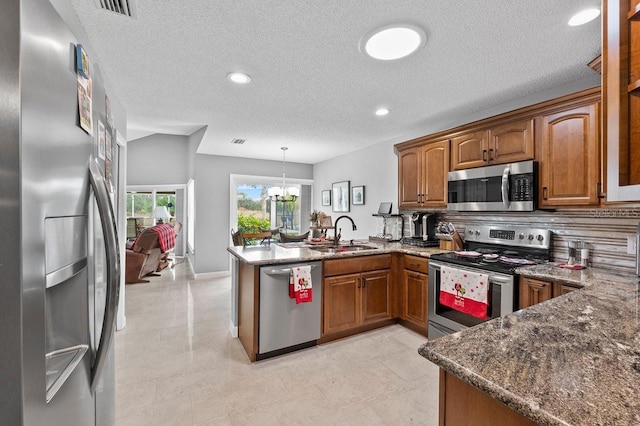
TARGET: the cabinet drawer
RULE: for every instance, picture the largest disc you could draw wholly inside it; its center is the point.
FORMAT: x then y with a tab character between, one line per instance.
354	265
416	263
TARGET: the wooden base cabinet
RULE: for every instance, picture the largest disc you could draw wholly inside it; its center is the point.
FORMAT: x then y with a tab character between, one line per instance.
354	299
534	291
414	291
462	404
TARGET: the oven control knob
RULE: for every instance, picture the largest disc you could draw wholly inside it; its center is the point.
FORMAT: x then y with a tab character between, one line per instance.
530	237
539	237
477	232
521	236
470	231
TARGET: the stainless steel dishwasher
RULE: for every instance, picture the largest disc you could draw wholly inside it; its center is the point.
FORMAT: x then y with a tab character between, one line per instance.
284	325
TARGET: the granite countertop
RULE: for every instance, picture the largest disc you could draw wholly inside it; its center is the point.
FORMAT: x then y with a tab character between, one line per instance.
574	359
302	252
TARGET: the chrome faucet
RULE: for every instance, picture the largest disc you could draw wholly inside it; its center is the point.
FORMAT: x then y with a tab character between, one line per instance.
338	233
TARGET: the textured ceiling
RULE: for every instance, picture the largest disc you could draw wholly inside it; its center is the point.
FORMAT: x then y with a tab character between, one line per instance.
312	89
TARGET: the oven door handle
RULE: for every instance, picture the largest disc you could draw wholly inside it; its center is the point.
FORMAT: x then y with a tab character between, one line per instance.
499	280
505	186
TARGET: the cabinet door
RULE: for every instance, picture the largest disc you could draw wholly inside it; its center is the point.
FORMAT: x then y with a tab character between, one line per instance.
341	297
414	297
560	288
435	166
470	150
376	296
511	142
534	291
570	160
409	188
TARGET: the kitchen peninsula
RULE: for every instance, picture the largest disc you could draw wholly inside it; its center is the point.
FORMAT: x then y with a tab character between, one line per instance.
572	360
364	285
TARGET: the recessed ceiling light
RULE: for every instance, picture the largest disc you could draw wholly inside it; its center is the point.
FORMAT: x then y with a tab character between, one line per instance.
382	111
239	77
583	17
393	42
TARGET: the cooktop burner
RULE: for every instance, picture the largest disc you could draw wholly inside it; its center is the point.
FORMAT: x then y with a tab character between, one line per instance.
501	249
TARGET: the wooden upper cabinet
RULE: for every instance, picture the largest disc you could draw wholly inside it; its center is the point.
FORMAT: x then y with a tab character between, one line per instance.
422	175
570	160
621	96
469	150
511	142
409	176
503	143
435	162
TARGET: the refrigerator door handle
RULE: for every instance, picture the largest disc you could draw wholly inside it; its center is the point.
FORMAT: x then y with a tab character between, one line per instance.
107	219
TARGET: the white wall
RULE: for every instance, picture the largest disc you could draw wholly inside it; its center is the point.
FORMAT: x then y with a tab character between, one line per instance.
212	232
158	160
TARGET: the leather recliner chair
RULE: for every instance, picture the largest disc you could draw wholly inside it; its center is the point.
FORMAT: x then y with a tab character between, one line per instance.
145	256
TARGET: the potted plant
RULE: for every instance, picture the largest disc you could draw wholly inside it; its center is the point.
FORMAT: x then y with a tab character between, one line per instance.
314	217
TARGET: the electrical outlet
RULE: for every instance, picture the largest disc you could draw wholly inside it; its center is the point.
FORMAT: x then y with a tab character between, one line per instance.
631	244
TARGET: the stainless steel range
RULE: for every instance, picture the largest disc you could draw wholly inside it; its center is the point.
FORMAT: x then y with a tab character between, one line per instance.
495	251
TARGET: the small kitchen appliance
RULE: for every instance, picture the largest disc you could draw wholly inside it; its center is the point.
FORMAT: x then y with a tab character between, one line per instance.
496	251
424	230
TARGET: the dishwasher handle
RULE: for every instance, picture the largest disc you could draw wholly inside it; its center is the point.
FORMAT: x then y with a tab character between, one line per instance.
283	271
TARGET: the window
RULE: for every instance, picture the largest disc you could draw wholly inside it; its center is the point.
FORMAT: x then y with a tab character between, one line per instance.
141	205
252	208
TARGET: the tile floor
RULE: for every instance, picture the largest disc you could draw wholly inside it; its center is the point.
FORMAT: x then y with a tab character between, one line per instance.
177	364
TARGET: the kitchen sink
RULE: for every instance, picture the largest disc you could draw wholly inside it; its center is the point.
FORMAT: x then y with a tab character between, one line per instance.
343	249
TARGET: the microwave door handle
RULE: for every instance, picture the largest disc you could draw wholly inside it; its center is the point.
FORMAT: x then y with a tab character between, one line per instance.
505	187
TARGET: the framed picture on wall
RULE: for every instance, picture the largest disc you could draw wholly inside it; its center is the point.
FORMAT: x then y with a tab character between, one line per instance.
340	195
357	195
326	197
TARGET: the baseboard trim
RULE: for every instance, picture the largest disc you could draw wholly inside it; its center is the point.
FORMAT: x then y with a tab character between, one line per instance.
210	275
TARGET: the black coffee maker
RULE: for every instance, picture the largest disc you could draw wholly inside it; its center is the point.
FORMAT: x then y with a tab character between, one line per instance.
424	226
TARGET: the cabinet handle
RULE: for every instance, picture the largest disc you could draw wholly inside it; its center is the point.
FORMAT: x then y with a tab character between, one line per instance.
544	192
484	155
491	154
599	193
363	281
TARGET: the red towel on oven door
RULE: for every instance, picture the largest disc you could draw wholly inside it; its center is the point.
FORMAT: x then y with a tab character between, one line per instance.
464	291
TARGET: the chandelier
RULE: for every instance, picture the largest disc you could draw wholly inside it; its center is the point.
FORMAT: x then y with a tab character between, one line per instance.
283	194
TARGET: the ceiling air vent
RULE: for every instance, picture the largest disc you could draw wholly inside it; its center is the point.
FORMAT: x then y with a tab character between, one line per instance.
238	141
122	7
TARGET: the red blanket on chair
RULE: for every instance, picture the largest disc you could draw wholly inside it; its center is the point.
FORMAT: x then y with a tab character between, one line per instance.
166	236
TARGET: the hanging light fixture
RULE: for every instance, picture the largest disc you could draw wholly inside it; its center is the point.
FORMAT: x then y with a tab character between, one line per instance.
283	194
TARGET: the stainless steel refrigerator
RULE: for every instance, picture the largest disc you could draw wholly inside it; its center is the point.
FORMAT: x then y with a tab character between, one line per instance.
59	260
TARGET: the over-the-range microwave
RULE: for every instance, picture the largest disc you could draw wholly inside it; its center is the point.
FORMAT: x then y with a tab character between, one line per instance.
504	187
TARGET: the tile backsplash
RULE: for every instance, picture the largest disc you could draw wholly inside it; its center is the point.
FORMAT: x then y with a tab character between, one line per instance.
603	231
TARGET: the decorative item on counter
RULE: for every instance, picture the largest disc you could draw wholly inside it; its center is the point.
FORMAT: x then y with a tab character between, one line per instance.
584	257
575	247
572	267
